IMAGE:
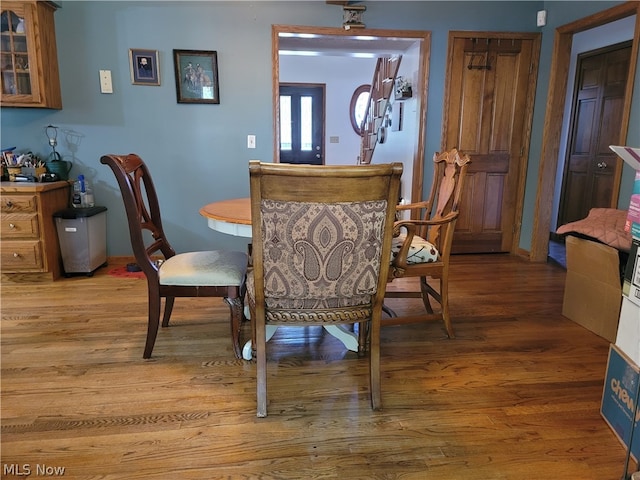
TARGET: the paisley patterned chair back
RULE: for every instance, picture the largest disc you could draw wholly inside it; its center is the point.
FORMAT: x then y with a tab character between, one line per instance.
321	249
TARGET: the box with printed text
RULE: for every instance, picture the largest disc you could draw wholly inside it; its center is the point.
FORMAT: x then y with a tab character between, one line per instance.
619	399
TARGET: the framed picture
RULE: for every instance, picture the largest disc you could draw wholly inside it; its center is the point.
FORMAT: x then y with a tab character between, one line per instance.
143	65
196	76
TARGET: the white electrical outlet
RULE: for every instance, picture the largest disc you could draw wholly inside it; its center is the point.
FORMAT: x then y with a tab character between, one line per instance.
541	19
251	141
105	81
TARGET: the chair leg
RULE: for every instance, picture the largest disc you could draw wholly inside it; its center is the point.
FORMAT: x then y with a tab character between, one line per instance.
261	371
374	365
444	297
168	308
252	319
236	306
363	338
424	289
389	311
154	320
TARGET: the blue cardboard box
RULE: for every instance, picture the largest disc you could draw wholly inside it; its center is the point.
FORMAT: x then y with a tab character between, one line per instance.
618	399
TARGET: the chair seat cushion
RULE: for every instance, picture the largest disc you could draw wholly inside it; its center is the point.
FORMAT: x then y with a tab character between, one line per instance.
214	268
420	251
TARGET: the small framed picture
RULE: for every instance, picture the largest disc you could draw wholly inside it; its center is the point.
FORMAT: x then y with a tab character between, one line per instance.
144	67
196	76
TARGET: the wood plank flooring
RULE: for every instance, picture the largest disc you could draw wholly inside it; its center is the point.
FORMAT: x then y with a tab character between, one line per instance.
516	395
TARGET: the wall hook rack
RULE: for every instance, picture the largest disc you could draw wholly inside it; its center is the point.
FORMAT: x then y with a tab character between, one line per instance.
485	66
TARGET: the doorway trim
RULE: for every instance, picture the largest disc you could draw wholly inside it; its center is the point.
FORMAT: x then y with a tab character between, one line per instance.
420	90
554	116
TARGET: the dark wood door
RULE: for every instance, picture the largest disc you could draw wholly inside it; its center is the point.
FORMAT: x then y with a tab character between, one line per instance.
589	180
302	124
491	80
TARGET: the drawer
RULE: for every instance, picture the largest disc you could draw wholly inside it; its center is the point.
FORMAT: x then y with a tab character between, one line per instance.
22	256
19	203
19	225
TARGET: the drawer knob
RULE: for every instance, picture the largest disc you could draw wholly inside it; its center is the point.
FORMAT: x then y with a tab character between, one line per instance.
9	204
16	255
12	225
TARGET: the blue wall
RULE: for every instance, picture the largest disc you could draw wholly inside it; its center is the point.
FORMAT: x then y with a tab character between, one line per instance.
198	153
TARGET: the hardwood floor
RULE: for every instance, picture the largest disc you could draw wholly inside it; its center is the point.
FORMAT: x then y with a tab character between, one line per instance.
516	395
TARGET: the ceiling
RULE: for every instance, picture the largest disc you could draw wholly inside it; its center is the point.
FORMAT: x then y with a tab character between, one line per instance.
343	45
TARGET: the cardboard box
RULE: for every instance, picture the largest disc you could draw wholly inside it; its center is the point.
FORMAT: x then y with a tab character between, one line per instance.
593	288
631	156
628	337
633	217
631	285
619	399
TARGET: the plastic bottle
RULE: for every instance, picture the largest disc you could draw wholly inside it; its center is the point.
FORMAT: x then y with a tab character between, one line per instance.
82	193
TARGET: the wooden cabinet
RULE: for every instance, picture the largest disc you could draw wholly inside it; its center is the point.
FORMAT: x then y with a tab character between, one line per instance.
29	62
29	239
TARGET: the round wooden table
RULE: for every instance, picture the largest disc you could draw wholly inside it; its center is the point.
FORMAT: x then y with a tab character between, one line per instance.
232	217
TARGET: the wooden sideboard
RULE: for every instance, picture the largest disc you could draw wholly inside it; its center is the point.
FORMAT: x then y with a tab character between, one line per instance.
28	232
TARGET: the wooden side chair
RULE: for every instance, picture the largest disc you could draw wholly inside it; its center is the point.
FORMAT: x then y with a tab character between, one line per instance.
216	273
422	245
321	249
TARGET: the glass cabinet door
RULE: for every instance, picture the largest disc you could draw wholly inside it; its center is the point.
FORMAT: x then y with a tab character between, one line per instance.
29	74
14	49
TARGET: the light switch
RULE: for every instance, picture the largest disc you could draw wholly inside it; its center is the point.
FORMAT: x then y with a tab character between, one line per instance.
251	141
105	81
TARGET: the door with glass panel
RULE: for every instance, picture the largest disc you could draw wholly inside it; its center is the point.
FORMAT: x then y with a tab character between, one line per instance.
302	123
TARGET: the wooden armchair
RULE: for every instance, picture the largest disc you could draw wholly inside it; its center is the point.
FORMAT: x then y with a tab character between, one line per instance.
422	246
321	249
215	273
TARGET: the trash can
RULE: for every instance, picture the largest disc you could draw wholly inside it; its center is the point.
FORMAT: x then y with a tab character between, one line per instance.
82	233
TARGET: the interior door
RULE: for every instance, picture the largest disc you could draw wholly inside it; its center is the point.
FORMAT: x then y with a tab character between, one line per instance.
488	112
302	124
589	174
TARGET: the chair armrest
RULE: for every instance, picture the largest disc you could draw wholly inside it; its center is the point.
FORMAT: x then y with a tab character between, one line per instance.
411	228
448	218
412	225
413	206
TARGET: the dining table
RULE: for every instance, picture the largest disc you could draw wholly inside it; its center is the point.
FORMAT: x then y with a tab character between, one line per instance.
233	217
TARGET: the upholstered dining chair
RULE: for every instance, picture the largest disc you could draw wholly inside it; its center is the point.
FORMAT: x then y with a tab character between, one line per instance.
321	249
422	244
216	273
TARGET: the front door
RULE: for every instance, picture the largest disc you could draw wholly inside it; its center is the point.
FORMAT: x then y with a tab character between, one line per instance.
488	105
302	123
589	175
